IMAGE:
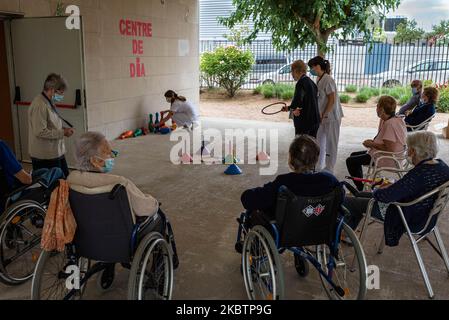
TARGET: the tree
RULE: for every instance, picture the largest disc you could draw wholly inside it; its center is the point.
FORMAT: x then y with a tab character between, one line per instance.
238	35
440	32
408	31
227	66
379	35
296	23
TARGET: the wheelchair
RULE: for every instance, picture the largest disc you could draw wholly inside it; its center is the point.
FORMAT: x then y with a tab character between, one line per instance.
107	234
311	228
22	214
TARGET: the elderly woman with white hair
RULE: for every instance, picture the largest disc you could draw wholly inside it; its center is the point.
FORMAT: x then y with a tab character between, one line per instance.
95	162
428	174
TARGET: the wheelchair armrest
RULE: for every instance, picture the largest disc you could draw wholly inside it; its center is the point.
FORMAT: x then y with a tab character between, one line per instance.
355	192
35	181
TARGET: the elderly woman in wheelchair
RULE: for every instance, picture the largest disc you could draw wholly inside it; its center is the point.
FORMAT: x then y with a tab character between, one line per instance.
300	212
116	223
23	201
413	204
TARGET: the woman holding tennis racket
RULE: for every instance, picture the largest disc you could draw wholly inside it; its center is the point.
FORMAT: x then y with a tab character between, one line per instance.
304	107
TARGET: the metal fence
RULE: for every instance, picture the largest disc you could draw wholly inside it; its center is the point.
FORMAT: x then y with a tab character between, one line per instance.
357	63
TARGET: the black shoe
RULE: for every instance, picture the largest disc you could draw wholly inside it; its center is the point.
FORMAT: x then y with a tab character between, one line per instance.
239	247
107	277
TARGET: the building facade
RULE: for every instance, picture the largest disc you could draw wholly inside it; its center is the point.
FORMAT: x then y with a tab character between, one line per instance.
130	53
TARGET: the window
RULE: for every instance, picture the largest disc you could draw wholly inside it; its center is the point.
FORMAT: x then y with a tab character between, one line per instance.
285	70
441	65
421	67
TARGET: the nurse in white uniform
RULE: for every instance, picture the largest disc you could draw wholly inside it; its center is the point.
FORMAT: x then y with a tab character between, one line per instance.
331	113
183	112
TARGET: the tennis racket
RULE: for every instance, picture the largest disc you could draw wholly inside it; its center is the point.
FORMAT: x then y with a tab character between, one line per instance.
274	108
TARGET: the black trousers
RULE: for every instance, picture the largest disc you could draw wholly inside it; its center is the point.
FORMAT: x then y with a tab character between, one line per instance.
52	163
355	164
357	207
311	131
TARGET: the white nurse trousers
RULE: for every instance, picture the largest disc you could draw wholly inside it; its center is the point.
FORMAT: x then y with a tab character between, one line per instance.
328	137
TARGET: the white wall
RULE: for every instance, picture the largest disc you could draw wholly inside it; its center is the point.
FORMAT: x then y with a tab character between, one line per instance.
116	102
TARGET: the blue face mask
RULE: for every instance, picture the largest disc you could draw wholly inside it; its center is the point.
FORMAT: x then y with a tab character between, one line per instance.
414	91
58	98
313	72
108	165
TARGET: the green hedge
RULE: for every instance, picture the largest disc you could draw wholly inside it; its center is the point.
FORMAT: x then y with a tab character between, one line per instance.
362	97
443	104
344	98
351	88
280	91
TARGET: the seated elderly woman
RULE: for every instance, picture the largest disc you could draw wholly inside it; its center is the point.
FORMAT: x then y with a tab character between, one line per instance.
303	181
427	175
414	100
390	137
95	162
425	109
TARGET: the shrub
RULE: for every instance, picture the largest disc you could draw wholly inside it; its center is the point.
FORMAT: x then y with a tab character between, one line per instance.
403	99
443	104
344	98
227	66
351	88
268	91
287	95
371	92
284	91
375	92
385	91
258	90
280	91
396	92
427	83
362	97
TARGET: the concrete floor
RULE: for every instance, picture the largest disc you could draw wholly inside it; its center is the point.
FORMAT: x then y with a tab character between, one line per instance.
202	204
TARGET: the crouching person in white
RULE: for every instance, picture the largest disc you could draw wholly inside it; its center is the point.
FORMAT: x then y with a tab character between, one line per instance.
95	162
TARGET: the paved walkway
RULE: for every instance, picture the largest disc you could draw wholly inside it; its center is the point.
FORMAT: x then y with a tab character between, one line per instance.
202	204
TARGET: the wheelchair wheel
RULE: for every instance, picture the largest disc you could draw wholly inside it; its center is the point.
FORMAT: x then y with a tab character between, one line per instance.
262	270
50	281
350	270
301	266
20	236
151	275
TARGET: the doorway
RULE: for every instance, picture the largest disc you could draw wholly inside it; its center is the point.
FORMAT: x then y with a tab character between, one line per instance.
6	120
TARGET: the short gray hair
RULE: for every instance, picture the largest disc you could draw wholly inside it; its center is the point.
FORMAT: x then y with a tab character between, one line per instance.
88	146
55	81
424	143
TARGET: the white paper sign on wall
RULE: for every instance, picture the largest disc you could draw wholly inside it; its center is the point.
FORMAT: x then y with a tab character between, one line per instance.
183	47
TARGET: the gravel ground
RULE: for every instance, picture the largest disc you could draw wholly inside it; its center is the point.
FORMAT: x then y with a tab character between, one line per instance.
246	105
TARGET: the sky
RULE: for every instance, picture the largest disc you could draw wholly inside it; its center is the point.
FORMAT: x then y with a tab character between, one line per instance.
425	12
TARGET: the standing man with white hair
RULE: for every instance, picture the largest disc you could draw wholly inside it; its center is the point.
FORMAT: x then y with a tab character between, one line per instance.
46	127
